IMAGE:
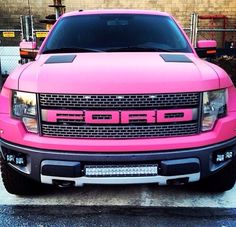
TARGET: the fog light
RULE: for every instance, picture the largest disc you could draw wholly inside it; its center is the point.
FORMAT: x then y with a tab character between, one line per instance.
223	156
16	159
11	158
20	161
220	157
229	154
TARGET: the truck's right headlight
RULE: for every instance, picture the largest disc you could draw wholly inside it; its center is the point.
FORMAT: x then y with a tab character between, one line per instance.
214	107
24	107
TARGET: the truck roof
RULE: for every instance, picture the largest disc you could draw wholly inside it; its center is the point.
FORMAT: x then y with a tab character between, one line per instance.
114	11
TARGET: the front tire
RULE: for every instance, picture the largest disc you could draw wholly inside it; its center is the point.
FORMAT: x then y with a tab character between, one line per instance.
221	181
17	184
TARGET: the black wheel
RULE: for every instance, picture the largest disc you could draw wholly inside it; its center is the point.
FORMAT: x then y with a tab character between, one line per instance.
17	184
221	181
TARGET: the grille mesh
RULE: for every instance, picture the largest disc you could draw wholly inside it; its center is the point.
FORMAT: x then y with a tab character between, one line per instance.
69	128
120	132
119	101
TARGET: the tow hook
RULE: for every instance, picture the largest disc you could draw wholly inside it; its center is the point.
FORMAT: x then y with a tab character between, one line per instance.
63	183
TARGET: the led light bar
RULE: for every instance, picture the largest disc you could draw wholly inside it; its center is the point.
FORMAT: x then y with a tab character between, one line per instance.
121	170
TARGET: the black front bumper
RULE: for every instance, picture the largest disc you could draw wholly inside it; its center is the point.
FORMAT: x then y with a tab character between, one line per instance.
204	155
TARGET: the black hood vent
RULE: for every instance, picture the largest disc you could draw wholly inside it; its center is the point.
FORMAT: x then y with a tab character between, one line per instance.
60	59
175	58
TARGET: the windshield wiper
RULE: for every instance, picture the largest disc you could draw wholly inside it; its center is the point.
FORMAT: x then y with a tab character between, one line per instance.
137	49
70	50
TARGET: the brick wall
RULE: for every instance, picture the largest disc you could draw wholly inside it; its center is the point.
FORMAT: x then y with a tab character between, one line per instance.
10	10
181	9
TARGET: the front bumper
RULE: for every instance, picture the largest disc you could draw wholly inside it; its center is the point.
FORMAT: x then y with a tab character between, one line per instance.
179	163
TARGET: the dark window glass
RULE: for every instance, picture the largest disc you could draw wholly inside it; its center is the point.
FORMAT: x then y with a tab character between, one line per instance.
116	32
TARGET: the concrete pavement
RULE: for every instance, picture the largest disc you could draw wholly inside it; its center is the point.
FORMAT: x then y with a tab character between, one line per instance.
125	196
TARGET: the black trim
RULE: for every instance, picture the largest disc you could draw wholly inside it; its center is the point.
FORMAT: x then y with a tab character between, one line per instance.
39	115
66	169
200	112
122	156
180	166
203	52
204	154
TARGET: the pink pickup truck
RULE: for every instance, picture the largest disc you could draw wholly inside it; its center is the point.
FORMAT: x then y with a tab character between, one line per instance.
117	97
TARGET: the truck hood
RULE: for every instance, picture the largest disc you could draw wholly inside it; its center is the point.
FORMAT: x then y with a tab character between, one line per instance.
118	73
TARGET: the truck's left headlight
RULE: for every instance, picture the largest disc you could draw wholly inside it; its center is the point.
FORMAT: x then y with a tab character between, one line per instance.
24	107
214	107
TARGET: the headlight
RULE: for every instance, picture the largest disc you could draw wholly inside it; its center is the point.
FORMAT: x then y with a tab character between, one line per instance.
214	107
24	107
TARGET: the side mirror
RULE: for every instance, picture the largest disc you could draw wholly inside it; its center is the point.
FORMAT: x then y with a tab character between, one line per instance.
28	50
206	48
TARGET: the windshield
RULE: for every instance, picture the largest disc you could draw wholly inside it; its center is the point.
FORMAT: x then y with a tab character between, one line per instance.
116	33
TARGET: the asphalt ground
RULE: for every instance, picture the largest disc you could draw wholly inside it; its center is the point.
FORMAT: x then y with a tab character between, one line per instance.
43	216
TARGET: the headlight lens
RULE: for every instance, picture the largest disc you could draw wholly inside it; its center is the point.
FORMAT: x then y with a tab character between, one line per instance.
24	104
24	107
214	107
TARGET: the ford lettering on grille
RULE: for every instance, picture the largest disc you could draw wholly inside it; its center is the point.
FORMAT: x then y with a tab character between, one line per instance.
120	117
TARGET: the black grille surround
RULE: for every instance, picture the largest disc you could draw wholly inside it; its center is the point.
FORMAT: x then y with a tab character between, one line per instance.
134	130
